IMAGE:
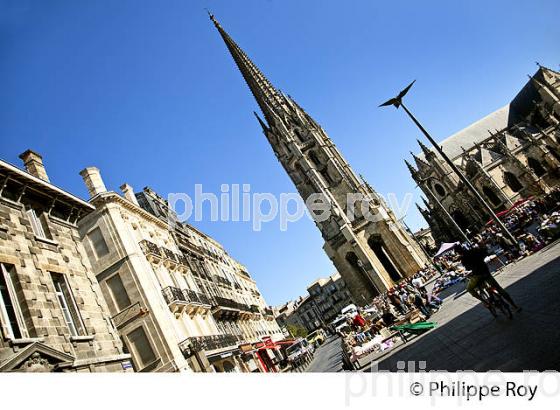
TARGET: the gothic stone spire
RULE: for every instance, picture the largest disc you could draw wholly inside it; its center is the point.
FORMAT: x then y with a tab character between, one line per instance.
356	244
268	98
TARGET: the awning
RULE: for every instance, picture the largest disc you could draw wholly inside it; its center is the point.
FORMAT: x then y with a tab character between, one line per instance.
445	247
511	208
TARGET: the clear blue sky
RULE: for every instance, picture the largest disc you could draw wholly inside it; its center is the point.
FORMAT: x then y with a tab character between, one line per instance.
147	91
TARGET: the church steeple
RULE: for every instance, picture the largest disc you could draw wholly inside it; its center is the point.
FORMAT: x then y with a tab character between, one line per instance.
268	98
351	229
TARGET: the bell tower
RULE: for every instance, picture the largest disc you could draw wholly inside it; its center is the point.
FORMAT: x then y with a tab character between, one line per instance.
365	241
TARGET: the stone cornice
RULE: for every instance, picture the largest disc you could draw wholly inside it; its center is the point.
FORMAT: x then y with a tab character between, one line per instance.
112	197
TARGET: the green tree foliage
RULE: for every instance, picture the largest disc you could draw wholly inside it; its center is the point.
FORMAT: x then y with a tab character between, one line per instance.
297	330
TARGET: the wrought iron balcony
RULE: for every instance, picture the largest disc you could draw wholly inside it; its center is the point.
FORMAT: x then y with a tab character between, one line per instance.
226	302
180	300
204	299
195	344
254	309
151	250
173	295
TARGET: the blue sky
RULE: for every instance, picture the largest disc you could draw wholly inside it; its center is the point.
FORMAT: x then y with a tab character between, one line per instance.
147	92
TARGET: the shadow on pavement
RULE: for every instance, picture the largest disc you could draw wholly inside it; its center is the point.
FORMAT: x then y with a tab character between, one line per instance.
475	340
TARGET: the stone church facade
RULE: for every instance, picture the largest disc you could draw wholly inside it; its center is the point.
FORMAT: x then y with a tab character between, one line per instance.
509	155
371	254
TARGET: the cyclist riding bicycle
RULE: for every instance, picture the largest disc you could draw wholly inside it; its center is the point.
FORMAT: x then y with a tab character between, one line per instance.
472	258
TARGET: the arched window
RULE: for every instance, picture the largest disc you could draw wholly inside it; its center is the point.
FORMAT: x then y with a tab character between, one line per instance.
377	246
536	166
440	190
326	176
491	195
314	158
299	135
512	181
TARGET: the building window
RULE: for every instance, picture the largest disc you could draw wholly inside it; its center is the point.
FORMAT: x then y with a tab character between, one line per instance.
39	224
512	181
140	347
491	195
10	315
536	166
67	304
98	242
439	189
118	292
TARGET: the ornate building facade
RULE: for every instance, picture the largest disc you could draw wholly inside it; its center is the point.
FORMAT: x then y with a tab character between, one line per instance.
509	155
178	300
370	253
53	316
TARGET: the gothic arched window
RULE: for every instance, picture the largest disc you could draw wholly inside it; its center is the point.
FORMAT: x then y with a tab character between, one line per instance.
314	158
491	195
512	181
440	190
378	247
536	166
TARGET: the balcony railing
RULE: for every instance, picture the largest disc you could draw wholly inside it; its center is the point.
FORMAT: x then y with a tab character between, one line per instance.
173	295
227	303
181	299
254	309
151	250
195	344
204	299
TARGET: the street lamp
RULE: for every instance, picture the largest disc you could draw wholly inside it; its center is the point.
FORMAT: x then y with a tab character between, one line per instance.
397	102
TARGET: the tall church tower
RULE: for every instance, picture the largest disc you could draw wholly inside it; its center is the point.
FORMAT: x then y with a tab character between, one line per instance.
368	246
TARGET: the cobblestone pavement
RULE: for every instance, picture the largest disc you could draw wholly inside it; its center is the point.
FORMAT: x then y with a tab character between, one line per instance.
469	338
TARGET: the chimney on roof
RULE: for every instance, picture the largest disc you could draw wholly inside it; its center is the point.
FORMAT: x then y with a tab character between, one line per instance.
33	163
93	181
128	193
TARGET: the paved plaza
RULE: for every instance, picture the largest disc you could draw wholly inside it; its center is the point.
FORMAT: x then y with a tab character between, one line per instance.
469	338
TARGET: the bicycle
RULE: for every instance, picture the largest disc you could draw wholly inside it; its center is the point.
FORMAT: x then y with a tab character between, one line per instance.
493	300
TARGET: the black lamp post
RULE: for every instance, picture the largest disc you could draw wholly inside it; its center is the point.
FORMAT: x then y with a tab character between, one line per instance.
397	102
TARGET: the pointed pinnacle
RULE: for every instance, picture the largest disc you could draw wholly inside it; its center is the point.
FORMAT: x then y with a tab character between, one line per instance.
412	170
261	122
424	148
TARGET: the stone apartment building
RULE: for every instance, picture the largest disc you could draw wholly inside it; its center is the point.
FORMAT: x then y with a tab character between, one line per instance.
165	286
238	309
326	298
53	315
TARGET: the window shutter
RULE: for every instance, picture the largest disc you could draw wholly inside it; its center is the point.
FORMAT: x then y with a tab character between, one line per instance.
35	224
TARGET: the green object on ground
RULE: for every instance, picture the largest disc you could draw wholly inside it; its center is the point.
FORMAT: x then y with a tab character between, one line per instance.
415	327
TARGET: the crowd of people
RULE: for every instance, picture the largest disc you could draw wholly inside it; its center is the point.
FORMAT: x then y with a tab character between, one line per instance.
533	222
